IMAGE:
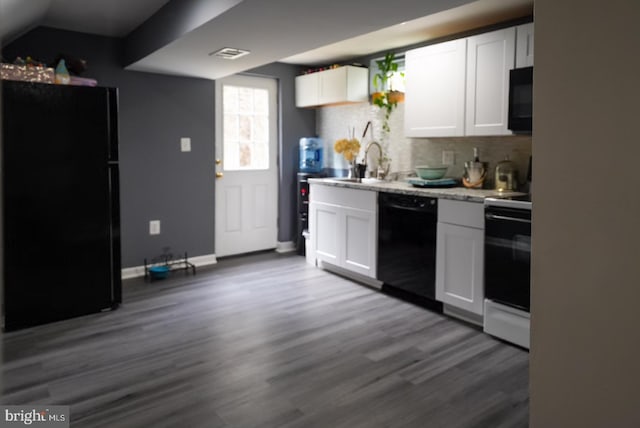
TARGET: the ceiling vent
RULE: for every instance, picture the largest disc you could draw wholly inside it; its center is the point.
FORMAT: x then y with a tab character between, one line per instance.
229	53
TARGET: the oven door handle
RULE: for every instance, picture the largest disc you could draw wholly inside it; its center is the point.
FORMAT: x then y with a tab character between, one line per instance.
503	217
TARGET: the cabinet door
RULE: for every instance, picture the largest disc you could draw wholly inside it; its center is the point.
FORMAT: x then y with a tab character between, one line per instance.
524	45
490	57
333	85
307	90
343	84
326	232
360	242
435	85
459	267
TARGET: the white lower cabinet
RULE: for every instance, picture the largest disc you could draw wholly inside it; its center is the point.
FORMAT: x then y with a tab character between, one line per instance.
324	217
460	258
344	227
359	241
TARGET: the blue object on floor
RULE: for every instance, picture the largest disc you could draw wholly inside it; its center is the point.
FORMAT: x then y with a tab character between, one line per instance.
159	272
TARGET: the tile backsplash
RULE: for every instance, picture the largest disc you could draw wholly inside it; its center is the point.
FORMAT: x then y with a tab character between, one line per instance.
336	122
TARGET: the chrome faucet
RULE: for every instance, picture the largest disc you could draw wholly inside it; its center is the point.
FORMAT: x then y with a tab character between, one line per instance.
366	153
366	150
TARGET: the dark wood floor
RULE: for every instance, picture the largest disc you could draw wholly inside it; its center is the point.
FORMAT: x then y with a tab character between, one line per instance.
267	341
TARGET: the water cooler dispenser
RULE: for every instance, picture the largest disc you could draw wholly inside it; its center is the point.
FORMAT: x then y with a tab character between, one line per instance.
311	153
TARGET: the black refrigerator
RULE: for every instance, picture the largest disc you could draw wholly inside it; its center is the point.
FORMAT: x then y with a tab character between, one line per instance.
60	204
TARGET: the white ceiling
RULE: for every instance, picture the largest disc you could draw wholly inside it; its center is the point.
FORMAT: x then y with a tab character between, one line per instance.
306	32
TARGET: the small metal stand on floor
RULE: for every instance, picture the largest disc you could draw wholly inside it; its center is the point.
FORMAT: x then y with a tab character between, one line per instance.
160	267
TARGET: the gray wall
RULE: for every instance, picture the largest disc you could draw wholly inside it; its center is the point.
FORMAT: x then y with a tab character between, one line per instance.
158	182
585	287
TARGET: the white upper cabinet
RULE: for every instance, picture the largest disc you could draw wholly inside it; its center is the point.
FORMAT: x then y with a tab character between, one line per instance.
435	85
345	84
460	87
490	56
307	90
524	45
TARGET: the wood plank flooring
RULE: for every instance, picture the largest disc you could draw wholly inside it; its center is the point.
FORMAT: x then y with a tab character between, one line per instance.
267	341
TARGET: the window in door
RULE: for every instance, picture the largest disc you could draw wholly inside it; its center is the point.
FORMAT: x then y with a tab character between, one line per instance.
246	128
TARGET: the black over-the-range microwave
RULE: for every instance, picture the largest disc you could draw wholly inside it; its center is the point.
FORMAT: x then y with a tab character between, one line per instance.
521	100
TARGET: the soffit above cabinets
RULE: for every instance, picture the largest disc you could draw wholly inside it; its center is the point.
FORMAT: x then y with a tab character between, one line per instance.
451	21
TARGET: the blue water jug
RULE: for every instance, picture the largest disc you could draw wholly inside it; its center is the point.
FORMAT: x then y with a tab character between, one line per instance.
311	155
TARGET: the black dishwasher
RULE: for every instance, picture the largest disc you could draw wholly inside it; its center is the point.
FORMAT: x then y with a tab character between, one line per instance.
407	230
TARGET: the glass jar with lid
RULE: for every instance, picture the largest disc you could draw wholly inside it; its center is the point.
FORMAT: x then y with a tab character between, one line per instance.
506	177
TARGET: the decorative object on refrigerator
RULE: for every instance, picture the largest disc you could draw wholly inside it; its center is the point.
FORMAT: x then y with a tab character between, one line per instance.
26	74
62	76
311	157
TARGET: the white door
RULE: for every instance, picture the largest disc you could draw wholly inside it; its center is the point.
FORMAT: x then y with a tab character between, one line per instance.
246	171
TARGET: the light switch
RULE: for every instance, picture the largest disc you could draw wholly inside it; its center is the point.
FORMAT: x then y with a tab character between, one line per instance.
154	227
185	144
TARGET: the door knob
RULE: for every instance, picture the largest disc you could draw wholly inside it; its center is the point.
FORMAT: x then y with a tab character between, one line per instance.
219	175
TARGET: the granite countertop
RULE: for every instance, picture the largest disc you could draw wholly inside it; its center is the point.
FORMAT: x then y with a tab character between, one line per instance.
458	193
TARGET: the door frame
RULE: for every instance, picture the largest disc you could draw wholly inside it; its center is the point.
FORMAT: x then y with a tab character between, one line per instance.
276	146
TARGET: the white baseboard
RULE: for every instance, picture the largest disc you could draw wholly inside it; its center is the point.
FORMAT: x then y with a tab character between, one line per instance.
285	247
138	271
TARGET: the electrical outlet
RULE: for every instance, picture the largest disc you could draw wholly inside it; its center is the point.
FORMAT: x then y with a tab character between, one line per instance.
154	227
448	157
185	144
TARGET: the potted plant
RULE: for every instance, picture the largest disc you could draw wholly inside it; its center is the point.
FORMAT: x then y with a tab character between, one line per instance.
385	96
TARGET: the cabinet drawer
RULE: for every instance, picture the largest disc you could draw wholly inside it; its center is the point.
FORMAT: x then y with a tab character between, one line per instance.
462	213
352	198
